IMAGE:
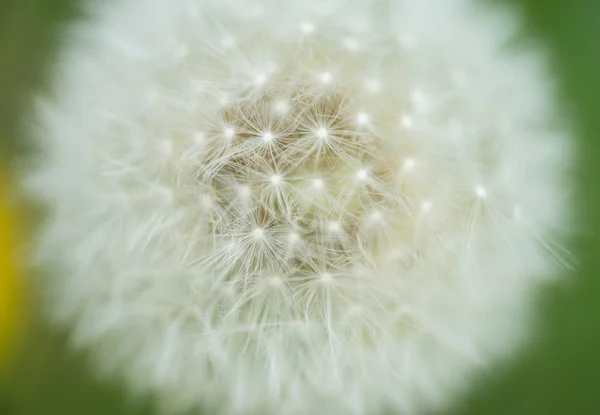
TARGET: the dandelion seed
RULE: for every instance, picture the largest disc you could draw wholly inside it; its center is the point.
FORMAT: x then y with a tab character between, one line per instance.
260	79
318	184
376	216
362	174
409	164
228	132
334	226
326	78
326	277
362	118
480	192
308	28
293	238
267	137
406	121
275	281
276	179
322	133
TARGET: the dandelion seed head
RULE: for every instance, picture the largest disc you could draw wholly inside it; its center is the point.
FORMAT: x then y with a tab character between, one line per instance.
302	174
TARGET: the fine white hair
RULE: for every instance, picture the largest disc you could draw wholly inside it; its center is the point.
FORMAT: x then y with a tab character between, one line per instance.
299	207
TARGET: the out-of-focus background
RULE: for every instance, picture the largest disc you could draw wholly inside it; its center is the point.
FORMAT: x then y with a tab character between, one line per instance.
558	374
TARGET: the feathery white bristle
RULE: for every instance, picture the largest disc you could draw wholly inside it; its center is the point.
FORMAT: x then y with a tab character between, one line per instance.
282	207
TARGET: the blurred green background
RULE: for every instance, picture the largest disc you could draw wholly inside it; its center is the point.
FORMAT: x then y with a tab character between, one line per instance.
558	374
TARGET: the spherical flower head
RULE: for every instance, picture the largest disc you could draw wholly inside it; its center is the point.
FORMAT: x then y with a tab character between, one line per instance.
294	207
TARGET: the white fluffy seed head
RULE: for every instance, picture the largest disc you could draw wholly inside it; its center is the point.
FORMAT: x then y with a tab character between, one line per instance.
309	211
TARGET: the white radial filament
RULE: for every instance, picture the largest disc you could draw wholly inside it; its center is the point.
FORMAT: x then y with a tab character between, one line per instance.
277	207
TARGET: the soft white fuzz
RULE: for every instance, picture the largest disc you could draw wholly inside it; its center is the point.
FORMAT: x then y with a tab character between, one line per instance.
298	207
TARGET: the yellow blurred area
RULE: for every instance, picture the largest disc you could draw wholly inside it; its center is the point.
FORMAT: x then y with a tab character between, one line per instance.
10	285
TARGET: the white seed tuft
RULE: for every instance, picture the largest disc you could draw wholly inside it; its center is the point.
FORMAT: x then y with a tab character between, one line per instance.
318	184
362	174
276	179
362	118
322	133
326	77
308	28
267	137
228	132
269	206
480	192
